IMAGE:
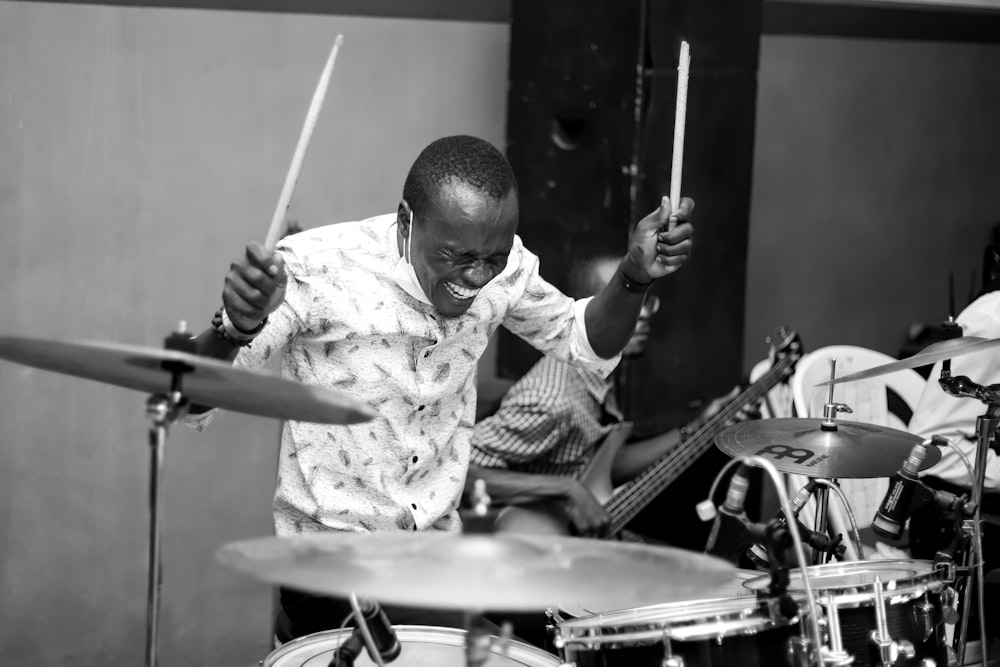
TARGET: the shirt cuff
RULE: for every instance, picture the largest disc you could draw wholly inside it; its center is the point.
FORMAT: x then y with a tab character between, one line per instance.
579	343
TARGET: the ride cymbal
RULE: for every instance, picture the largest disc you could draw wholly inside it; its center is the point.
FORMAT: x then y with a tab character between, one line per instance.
503	571
204	381
804	447
946	349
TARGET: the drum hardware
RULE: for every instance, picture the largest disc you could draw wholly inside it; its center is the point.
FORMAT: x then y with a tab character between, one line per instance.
176	378
970	550
838	548
811	646
888	649
962	386
878	612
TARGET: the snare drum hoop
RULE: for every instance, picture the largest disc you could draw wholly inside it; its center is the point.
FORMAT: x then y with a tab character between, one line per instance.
834	580
678	621
409	634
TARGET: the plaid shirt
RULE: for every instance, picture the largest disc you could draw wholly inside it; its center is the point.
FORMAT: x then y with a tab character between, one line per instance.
346	325
549	423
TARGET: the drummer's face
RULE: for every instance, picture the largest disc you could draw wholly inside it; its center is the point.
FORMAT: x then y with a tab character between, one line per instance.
461	243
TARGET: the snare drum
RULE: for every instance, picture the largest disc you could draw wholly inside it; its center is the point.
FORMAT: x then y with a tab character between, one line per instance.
422	646
725	632
913	612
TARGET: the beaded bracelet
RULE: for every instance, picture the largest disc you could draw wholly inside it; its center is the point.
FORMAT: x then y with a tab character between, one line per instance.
227	331
631	285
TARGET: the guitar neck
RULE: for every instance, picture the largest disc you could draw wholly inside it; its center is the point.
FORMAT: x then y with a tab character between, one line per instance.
639	492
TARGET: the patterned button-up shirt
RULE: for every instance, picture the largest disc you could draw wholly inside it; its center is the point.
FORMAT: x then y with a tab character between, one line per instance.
550	422
345	324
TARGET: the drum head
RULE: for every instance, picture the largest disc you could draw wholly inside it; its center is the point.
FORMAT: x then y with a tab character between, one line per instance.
679	621
856	579
422	646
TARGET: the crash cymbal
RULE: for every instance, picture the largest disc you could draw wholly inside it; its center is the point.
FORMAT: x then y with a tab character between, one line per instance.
802	447
946	349
205	381
503	571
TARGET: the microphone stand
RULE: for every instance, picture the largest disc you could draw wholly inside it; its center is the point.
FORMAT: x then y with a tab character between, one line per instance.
986	426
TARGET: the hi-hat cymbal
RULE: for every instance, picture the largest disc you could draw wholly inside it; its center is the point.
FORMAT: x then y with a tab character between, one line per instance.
505	571
946	349
205	381
802	447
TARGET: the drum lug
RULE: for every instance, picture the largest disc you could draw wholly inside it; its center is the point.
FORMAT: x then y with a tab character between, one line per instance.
923	617
888	650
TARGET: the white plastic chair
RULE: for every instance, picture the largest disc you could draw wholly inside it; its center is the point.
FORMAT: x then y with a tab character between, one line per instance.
778	401
887	400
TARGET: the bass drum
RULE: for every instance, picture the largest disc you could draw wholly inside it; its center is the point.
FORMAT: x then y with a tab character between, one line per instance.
422	646
728	632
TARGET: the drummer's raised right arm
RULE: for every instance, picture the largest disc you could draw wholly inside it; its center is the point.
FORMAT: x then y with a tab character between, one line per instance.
254	288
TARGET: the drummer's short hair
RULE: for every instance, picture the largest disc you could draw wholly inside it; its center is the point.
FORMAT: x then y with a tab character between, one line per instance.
460	158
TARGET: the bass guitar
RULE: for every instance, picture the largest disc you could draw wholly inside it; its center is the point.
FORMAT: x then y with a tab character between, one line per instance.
625	502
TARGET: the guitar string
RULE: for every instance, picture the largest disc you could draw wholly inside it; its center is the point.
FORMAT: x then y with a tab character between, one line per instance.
635	494
630	500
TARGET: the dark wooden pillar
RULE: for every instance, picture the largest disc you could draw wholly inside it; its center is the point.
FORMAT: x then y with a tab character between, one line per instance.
590	137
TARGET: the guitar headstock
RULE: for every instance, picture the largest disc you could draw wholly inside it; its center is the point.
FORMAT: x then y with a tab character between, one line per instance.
785	343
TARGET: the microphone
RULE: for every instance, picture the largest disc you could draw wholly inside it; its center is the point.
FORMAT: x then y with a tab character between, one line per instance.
895	508
732	530
383	636
758	552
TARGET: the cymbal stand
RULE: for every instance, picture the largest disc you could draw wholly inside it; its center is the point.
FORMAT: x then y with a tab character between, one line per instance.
480	519
853	533
162	410
986	427
822	495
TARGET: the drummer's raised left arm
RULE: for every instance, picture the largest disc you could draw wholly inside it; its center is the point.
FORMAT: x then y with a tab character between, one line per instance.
654	251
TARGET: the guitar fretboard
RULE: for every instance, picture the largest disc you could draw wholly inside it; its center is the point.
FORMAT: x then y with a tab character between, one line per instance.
639	492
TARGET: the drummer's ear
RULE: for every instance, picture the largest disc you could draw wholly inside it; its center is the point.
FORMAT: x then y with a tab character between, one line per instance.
403	216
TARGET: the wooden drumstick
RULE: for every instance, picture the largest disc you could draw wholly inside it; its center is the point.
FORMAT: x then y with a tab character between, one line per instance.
683	68
300	150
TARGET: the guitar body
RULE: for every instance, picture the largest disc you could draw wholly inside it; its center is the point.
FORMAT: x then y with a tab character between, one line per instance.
549	517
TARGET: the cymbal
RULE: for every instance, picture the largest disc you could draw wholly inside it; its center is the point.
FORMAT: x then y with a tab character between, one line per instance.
946	349
503	571
205	381
802	447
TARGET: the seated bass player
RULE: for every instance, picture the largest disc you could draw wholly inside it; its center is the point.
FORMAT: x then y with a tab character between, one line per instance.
557	437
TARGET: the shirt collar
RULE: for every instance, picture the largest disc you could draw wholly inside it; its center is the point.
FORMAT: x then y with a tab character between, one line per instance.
595	384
